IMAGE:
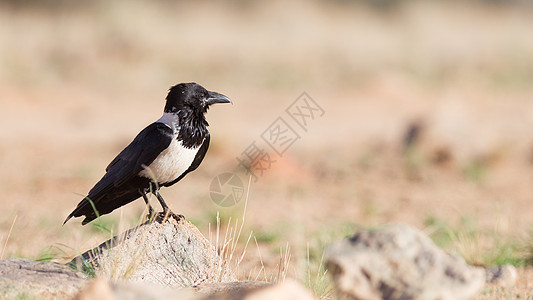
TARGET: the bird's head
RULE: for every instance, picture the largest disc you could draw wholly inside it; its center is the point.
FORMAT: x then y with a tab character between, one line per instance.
193	97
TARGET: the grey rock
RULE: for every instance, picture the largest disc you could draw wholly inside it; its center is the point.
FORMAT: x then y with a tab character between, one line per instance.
399	262
21	278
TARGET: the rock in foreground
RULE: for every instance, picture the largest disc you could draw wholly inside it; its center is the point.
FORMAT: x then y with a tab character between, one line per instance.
399	262
169	251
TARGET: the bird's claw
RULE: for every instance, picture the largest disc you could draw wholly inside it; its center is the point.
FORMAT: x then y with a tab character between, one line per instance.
166	214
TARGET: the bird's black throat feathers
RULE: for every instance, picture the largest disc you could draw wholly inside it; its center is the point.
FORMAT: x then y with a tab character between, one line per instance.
193	128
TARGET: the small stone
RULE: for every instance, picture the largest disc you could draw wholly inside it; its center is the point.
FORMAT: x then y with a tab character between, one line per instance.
503	276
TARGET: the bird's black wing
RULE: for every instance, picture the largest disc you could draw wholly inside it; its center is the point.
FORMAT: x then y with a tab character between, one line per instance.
141	152
197	160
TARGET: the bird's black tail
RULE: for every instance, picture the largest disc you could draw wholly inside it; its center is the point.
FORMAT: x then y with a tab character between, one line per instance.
85	207
93	206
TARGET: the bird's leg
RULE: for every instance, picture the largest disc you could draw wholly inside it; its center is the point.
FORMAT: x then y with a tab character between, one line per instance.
166	211
161	200
150	209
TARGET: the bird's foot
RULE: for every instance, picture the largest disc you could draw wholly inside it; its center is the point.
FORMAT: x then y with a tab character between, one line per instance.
166	214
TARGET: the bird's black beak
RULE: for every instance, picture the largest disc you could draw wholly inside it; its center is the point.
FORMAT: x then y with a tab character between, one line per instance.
215	97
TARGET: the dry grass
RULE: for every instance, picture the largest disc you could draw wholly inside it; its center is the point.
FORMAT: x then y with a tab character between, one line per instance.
227	247
76	84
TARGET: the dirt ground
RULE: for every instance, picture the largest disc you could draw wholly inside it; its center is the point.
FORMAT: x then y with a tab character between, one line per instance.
77	82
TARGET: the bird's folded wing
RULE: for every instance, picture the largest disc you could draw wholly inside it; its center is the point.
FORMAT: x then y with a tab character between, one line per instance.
141	152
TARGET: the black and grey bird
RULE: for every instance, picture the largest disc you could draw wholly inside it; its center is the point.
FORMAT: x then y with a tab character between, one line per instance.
161	154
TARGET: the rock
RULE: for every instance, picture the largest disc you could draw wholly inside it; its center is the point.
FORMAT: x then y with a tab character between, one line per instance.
97	289
169	251
102	289
286	290
255	290
504	276
229	290
23	278
399	262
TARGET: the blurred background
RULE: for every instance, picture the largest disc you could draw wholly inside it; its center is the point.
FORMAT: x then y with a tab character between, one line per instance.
428	117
